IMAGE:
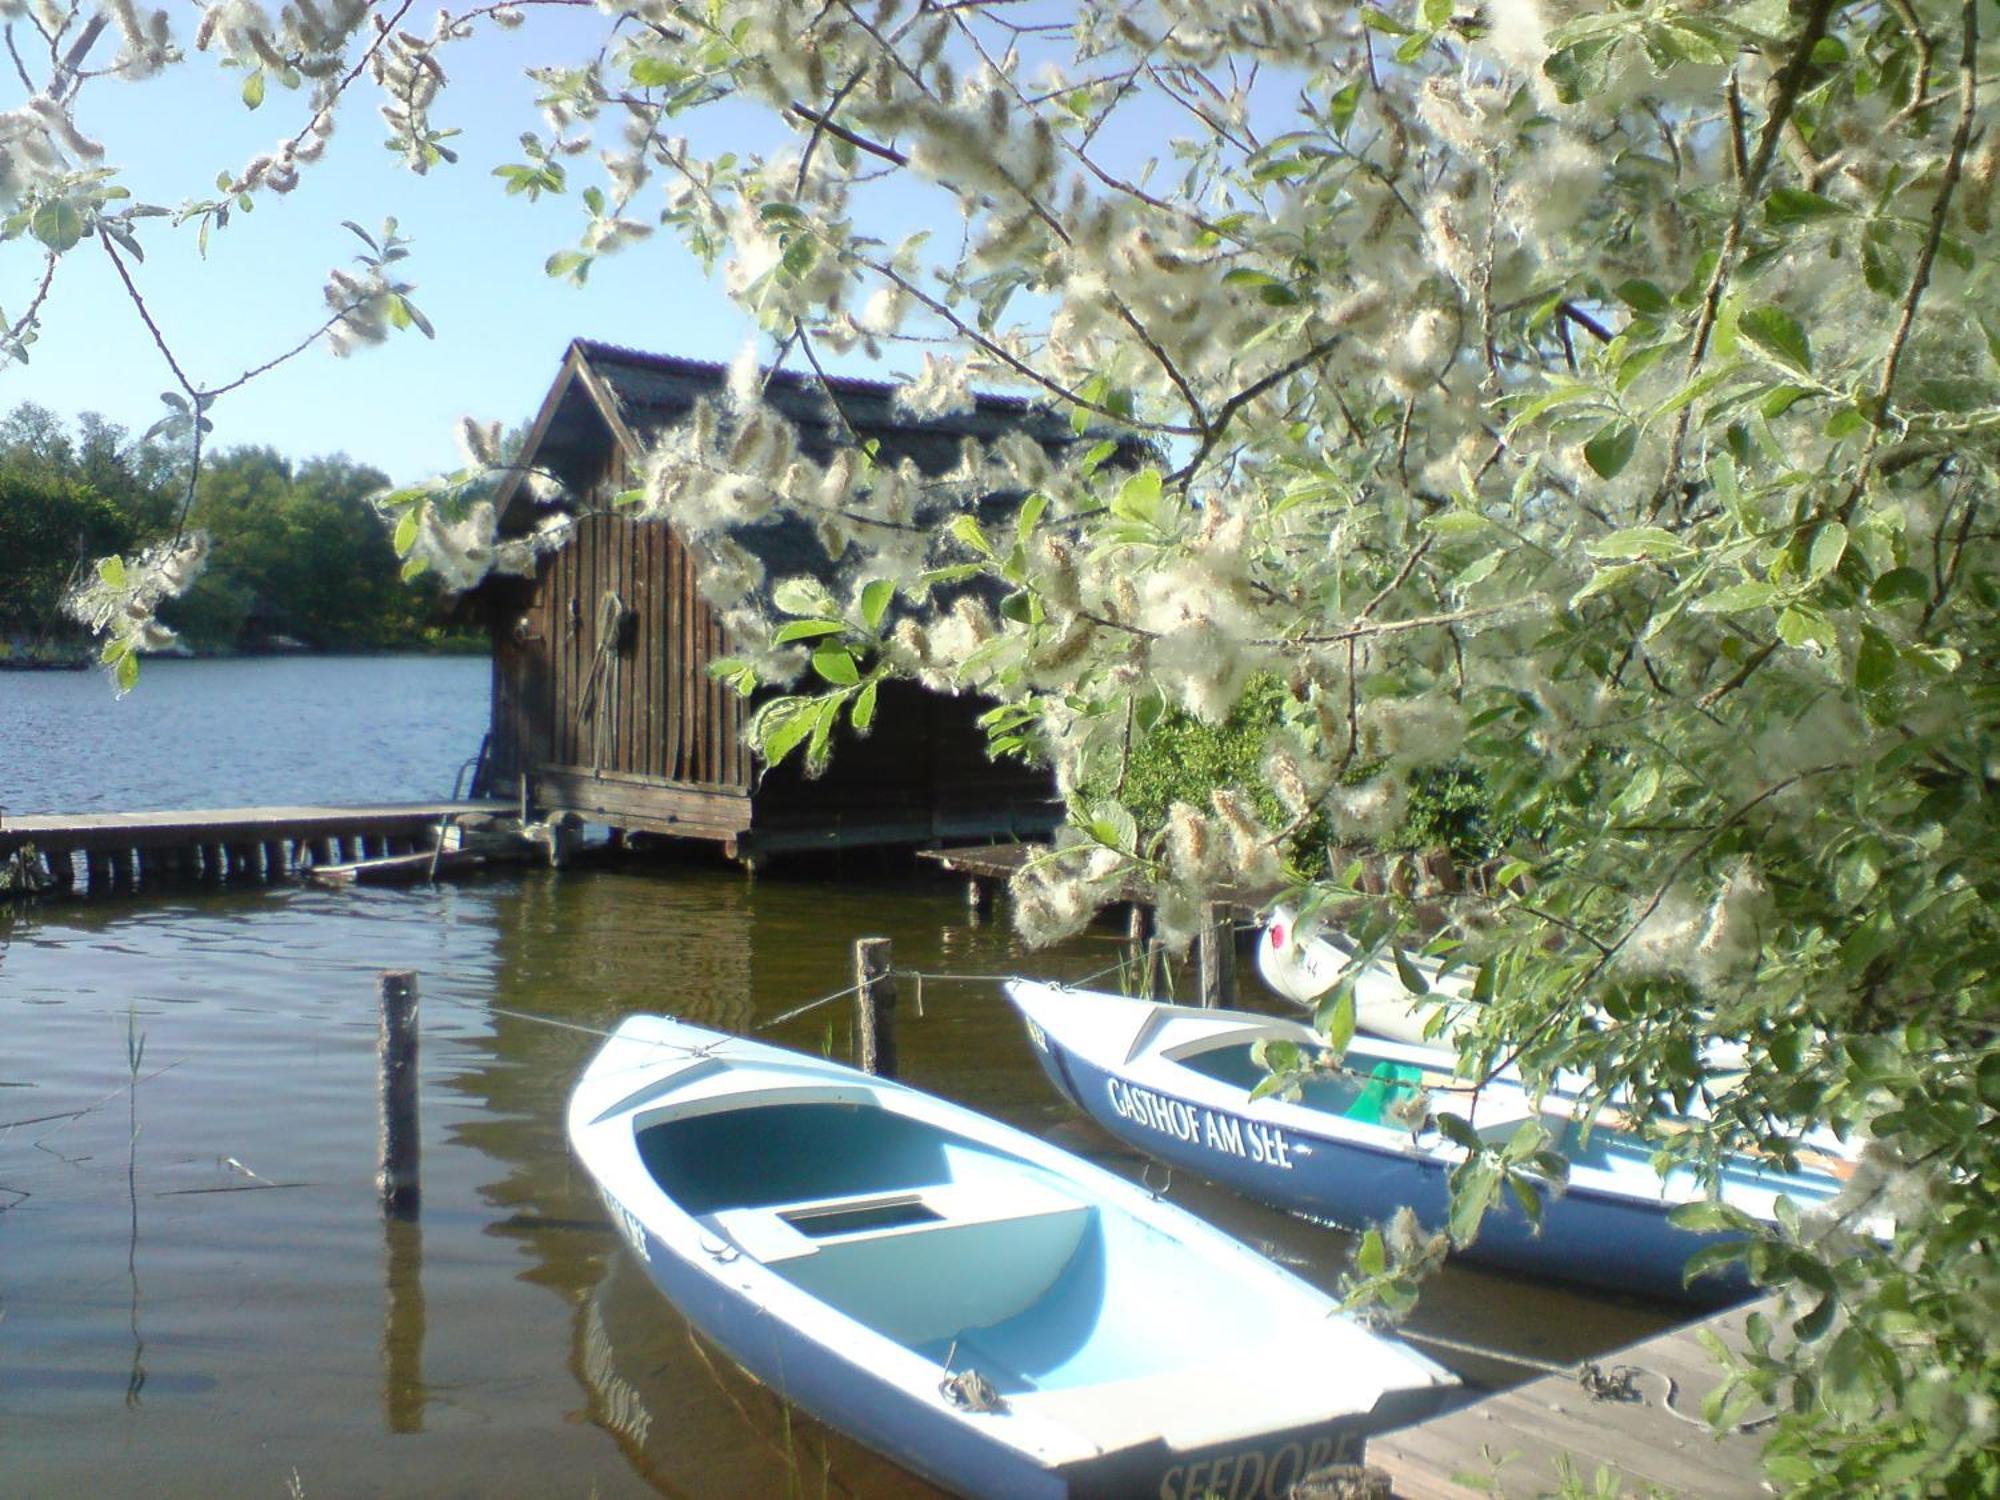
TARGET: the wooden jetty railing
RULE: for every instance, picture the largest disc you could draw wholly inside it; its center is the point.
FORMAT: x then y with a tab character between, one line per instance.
101	852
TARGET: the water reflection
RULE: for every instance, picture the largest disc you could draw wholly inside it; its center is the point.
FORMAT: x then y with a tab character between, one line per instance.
135	1052
403	1392
693	1423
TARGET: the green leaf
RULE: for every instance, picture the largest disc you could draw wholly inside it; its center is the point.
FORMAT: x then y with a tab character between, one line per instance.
875	600
1407	973
1875	660
1527	1195
1829	545
1380	21
805	630
1451	524
253	89
862	713
112	571
1138	498
1606	579
836	665
656	71
1342	106
1337	1025
1473	1191
1734	599
802	596
966	530
1482	568
1458	1131
411	315
128	671
1708	1216
406	531
797	719
1371	1257
1798	626
1816	1322
1644	297
1640	541
1849	1382
58	224
1783	398
1900	586
1777	332
1639	792
1789	205
1611	449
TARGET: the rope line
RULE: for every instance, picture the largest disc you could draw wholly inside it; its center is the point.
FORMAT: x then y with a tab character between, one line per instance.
1480	1351
811	1005
919	975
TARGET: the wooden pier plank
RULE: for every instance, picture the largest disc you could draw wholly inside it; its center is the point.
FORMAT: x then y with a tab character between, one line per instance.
1511	1444
228	826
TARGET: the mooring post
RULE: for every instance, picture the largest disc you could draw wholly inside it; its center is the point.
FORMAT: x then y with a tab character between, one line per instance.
1217	942
397	1056
875	1005
1144	950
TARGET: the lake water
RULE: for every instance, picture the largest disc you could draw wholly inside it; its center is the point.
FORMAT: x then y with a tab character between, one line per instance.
197	1294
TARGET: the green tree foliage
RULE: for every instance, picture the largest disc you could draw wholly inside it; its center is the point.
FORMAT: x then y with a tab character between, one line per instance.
300	554
51	529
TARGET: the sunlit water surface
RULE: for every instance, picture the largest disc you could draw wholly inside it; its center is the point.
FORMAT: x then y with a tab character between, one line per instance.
197	1293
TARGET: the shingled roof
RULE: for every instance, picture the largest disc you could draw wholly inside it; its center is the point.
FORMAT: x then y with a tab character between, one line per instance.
637	396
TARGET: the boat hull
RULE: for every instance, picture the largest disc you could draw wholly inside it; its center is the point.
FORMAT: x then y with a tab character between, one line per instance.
1612	1244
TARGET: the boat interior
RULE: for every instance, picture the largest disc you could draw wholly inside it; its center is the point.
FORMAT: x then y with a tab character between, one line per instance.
965	1254
1364	1090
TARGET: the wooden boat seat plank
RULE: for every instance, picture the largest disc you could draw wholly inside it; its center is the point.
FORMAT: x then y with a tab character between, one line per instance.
1209	1400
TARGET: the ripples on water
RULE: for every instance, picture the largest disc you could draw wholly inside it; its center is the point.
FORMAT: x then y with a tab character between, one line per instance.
246	732
197	1294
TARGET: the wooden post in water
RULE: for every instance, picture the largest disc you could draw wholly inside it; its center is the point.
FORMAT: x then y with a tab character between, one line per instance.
1217	957
396	1053
875	1005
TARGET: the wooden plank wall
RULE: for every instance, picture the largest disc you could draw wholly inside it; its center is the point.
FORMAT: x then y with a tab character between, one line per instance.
563	697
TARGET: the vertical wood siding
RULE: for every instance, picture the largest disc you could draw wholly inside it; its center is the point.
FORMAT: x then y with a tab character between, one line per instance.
641	703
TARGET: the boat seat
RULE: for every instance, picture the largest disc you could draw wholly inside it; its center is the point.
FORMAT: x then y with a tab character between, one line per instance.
1389	1083
1233	1396
919	1264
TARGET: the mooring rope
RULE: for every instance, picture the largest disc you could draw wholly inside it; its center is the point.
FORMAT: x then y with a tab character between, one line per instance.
1480	1351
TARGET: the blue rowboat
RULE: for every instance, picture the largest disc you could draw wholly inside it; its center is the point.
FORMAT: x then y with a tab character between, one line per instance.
987	1310
1176	1082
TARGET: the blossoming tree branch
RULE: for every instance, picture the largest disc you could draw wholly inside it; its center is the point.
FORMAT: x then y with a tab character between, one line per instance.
1602	398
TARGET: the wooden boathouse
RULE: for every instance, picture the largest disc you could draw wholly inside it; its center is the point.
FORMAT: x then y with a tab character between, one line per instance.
603	706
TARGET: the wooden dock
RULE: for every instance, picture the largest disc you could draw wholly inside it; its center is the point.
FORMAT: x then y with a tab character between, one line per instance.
105	852
1653	1438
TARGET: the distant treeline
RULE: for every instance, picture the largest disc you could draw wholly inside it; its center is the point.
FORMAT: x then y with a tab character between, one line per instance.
299	556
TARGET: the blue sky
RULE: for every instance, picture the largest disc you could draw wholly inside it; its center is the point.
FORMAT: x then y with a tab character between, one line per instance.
477	260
